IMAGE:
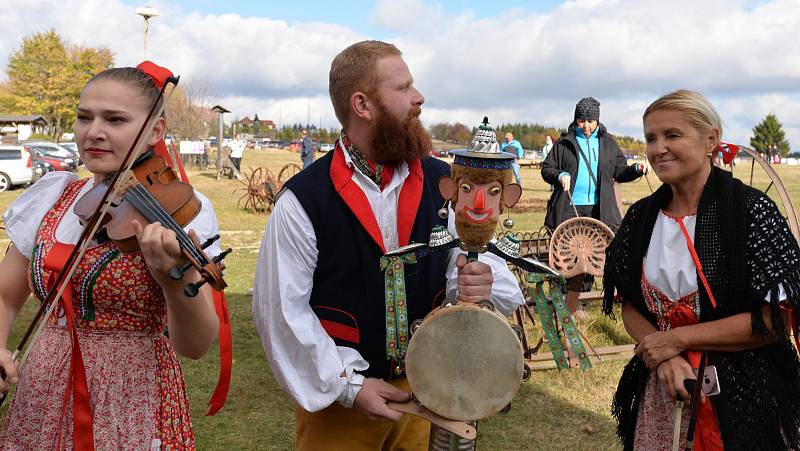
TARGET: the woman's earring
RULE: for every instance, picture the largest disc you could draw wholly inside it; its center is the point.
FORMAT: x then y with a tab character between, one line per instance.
443	212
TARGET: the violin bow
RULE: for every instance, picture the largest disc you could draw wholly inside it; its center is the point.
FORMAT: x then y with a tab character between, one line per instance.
61	282
698	388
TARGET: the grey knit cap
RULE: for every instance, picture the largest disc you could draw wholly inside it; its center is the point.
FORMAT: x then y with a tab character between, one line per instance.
587	108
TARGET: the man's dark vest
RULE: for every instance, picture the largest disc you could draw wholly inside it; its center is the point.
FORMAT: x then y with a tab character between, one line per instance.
348	291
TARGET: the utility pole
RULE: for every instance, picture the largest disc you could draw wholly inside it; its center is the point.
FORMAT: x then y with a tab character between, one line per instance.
220	111
146	12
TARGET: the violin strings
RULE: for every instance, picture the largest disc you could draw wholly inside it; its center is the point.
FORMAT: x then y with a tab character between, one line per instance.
145	202
157	213
153	214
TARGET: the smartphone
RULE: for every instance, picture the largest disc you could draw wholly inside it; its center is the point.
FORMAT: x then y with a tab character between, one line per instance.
710	381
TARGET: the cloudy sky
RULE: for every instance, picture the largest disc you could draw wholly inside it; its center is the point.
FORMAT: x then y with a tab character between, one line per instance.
515	61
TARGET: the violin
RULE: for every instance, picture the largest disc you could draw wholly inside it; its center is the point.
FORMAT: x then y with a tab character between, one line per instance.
152	192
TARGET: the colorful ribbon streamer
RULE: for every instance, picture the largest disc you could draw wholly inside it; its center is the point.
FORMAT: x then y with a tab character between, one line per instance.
396	309
554	306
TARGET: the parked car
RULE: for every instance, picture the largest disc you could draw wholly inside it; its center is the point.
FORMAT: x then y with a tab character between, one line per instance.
72	147
40	168
59	163
325	147
51	148
16	166
438	152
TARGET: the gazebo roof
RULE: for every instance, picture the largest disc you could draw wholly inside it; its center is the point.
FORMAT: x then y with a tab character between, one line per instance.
28	118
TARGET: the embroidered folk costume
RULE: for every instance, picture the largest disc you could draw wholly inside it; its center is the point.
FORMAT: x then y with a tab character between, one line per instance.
102	373
318	295
745	256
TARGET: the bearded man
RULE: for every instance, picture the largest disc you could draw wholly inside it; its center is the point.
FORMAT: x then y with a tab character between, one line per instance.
318	299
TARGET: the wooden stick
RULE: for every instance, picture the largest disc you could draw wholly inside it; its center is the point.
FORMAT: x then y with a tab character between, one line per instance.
459	428
676	425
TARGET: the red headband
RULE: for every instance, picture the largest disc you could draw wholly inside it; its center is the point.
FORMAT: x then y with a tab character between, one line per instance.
154	71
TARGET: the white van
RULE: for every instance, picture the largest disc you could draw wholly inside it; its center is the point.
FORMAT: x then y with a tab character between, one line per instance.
16	166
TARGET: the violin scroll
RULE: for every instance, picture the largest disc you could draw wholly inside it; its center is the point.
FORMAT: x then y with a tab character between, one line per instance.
176	273
210	269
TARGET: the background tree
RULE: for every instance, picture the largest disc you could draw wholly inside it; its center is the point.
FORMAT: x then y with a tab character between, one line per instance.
459	134
769	138
187	110
46	76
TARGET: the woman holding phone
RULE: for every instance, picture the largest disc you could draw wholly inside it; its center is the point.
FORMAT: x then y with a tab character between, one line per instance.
705	265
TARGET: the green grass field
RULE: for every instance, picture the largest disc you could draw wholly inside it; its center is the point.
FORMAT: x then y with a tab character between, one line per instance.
553	410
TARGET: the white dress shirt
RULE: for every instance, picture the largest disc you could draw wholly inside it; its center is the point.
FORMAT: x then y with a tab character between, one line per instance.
304	359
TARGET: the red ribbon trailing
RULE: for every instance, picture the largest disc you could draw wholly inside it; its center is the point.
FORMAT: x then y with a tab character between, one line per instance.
159	75
82	431
225	354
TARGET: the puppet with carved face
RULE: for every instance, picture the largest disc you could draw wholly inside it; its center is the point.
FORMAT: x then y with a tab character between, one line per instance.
480	188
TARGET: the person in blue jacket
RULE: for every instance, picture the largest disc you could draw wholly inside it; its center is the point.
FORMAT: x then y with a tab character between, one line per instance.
516	150
585	162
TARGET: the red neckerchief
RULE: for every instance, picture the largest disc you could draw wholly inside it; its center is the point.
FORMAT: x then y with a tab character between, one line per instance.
407	204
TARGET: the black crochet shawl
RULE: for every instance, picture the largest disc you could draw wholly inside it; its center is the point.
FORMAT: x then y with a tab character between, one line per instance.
746	250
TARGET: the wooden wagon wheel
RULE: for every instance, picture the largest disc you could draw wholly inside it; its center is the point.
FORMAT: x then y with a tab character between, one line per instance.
259	190
578	246
783	195
270	189
287	171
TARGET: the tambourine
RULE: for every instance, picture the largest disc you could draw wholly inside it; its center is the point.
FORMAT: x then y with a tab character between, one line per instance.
464	361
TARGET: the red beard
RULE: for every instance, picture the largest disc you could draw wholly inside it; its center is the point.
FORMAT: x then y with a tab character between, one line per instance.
394	141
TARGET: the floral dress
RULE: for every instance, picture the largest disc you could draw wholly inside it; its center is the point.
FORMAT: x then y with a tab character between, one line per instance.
136	387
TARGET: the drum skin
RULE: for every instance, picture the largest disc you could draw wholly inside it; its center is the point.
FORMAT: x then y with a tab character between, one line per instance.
464	362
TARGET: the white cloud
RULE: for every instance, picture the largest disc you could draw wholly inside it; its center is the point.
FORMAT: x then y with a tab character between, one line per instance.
517	65
406	15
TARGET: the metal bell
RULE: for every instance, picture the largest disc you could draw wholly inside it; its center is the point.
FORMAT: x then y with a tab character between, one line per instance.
508	223
443	213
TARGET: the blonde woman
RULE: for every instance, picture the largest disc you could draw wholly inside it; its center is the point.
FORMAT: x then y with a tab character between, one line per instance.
704	265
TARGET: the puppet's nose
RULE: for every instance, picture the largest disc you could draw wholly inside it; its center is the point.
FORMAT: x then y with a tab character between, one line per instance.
480	200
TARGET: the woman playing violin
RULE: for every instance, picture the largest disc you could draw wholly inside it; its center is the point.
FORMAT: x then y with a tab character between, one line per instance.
121	302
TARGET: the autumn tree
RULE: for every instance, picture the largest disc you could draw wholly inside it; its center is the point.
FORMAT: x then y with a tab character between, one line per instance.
187	111
769	138
46	76
459	134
